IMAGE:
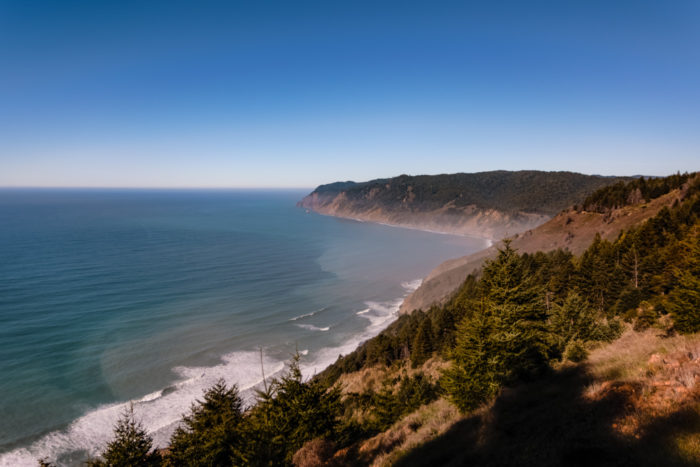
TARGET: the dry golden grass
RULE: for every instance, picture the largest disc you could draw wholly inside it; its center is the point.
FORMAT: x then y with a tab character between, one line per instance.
374	377
628	357
415	429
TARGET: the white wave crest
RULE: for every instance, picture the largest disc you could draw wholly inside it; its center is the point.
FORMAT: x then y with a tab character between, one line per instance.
411	286
311	327
307	315
159	412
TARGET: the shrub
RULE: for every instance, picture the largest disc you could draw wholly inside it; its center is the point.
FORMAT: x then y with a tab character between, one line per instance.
576	351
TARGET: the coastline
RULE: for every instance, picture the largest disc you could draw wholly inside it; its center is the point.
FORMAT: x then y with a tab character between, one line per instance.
160	408
160	411
489	240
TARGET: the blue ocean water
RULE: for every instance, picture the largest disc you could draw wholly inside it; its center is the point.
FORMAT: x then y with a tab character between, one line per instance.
110	296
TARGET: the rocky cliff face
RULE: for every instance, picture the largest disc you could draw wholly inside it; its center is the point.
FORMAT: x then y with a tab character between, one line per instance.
486	204
461	220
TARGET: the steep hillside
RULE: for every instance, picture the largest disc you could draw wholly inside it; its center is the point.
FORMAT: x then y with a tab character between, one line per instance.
542	358
487	204
632	402
571	229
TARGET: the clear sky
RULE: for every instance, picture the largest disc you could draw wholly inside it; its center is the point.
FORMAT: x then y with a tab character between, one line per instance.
295	93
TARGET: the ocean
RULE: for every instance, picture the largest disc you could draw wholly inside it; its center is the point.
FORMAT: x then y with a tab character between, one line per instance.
111	297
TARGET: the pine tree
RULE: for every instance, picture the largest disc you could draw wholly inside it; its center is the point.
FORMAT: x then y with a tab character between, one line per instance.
684	300
504	339
422	346
573	319
472	379
131	446
289	413
210	432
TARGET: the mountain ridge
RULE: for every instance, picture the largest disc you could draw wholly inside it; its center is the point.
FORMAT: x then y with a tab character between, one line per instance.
490	204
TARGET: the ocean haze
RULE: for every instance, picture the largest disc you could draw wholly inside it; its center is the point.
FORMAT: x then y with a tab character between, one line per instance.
108	296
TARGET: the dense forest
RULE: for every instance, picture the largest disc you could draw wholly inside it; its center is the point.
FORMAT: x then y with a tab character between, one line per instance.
508	324
527	191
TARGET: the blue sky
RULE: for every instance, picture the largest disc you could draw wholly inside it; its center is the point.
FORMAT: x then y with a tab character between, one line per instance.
294	94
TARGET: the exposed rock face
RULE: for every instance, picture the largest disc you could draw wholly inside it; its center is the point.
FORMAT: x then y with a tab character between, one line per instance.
460	220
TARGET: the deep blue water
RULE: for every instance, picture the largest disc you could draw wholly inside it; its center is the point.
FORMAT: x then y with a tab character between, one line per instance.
108	296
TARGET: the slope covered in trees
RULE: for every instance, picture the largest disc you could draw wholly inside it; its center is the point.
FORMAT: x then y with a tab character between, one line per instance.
511	325
486	204
511	192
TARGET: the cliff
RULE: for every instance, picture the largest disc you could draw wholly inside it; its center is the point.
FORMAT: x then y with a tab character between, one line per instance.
486	204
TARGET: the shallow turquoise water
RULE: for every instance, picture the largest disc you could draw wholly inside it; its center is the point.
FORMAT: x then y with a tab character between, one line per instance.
108	296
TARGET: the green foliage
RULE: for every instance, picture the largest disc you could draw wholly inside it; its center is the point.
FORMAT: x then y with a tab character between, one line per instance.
211	433
632	192
131	446
398	398
465	382
646	317
684	303
684	300
529	190
575	351
422	346
573	319
504	340
288	413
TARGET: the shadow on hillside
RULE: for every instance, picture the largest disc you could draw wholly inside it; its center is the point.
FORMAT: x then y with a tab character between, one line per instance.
550	423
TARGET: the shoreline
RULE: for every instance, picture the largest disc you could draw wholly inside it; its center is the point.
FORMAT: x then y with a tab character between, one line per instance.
489	240
160	411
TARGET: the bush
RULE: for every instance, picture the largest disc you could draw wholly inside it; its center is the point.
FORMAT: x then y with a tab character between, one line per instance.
646	317
576	351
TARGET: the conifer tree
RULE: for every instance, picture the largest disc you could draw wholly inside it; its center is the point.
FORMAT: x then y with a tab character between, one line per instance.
210	433
422	346
573	319
289	412
131	446
471	379
684	301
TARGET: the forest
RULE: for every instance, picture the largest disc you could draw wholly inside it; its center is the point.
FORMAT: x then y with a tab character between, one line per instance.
511	192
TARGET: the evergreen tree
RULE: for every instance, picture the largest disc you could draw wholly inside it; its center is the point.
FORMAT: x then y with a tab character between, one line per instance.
131	447
573	319
289	412
422	346
209	434
684	301
472	379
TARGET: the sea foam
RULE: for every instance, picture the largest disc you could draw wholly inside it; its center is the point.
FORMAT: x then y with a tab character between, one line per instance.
161	411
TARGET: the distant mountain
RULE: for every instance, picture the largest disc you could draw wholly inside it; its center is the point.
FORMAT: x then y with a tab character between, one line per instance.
487	204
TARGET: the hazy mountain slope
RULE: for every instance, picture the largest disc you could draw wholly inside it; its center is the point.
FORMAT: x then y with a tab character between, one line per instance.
486	204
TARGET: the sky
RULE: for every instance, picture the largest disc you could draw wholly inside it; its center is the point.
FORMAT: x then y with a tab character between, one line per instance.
296	93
